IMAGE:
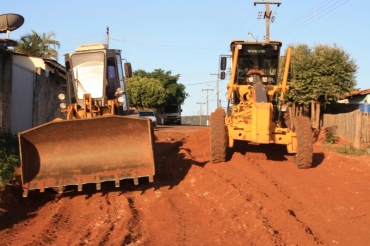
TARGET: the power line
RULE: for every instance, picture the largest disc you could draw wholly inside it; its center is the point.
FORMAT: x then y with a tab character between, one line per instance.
159	44
201	83
308	21
300	18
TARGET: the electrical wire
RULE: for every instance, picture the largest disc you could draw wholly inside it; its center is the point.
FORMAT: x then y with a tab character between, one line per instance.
306	22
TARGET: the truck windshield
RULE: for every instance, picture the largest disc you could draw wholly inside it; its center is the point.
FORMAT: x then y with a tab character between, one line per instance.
146	113
88	72
263	58
171	109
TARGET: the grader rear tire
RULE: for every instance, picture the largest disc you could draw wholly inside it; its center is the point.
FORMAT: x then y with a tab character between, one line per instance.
218	136
303	158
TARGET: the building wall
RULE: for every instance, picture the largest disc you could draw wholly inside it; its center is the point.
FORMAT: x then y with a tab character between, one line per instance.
30	62
6	66
47	83
45	100
23	80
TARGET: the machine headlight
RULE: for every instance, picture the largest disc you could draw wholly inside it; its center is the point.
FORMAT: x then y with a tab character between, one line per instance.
119	91
250	79
62	105
264	79
61	96
121	99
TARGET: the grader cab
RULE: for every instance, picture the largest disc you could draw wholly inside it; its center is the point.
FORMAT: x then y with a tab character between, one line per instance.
257	110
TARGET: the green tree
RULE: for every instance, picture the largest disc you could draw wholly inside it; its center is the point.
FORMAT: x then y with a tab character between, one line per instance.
320	75
141	91
145	92
34	44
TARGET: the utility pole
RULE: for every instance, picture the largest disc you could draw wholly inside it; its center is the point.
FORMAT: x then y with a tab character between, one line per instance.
217	86
107	38
200	112
207	102
267	16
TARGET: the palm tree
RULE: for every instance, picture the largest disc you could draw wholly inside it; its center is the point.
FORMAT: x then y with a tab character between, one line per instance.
38	45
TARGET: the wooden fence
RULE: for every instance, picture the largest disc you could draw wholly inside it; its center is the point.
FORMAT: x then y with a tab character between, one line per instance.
347	123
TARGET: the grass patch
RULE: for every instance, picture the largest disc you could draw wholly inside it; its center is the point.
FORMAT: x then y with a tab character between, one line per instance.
347	149
9	157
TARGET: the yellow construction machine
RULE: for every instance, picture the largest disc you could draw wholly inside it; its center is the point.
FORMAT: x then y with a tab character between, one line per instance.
98	141
257	110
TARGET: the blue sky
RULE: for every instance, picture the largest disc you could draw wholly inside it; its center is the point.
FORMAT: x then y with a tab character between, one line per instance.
187	37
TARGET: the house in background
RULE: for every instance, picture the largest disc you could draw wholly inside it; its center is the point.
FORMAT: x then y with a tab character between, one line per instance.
355	100
357	97
361	98
28	90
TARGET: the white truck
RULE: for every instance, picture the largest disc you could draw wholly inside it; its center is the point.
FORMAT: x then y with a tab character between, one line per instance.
172	114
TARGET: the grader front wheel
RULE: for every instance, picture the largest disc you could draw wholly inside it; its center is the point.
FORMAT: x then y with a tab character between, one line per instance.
303	158
218	136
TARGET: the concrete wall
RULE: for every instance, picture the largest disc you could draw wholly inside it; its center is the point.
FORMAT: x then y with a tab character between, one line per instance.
45	100
45	90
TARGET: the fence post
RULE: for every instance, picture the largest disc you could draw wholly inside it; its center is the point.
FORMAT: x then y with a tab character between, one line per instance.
357	142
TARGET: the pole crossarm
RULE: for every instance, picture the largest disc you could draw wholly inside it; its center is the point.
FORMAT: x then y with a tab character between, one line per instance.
260	2
267	16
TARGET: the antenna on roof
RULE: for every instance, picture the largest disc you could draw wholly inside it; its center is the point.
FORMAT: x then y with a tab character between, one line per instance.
10	22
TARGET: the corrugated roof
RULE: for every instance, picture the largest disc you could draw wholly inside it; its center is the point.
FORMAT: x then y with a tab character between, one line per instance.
4	43
55	64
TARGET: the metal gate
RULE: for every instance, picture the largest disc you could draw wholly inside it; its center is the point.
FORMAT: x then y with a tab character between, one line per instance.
22	98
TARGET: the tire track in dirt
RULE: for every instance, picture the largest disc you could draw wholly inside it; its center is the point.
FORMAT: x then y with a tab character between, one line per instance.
264	199
177	225
103	220
113	225
57	220
134	227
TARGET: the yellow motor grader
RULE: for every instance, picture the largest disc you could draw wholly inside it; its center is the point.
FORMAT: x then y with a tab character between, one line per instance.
256	109
98	141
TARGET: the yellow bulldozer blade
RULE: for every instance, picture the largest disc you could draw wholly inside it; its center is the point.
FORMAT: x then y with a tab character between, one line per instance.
94	150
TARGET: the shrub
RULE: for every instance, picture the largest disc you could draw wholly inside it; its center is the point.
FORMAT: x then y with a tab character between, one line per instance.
330	134
9	157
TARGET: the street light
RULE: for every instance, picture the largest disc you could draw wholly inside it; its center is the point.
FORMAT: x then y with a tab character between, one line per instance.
250	34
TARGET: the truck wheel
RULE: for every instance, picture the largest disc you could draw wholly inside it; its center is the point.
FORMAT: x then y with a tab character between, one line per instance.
218	136
303	158
178	123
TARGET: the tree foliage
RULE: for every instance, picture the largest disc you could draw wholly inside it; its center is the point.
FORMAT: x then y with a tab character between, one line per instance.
319	76
322	73
9	157
155	89
34	44
145	92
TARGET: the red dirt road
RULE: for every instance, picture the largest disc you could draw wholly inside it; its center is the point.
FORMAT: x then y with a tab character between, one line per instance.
258	197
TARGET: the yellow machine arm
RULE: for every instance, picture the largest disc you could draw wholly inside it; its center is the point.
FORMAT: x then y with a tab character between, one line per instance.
235	55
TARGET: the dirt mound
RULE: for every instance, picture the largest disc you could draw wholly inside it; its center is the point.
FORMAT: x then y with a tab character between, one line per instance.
257	197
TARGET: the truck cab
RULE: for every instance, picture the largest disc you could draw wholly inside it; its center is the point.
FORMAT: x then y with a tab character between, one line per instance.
172	114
